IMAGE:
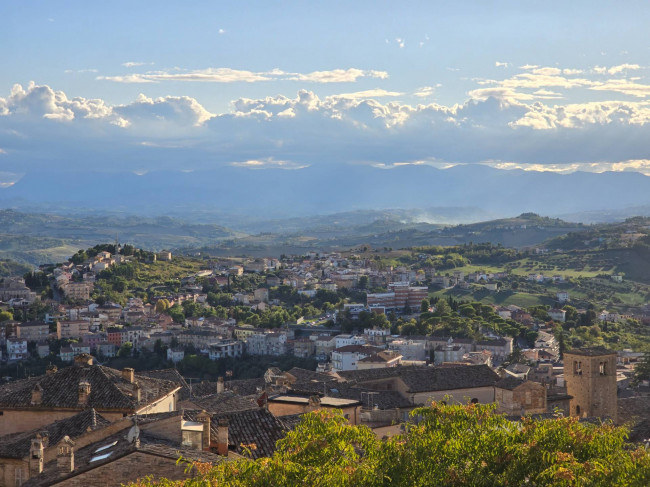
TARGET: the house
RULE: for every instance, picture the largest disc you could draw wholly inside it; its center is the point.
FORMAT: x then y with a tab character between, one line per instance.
225	349
72	329
66	354
33	331
292	404
557	314
380	360
347	357
120	453
517	396
16	349
35	401
420	385
562	297
500	347
175	354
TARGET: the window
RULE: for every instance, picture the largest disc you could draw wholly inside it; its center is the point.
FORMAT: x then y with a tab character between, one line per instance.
603	368
578	410
577	367
18	474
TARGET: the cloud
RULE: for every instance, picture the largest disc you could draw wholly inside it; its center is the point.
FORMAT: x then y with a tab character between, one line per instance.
527	123
269	163
623	67
133	64
400	42
376	93
424	92
221	31
229	75
499	64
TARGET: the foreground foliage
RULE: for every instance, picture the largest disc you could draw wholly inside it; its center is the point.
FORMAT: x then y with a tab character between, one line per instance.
446	445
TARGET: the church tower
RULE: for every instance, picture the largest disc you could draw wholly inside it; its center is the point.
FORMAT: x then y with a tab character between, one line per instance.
590	378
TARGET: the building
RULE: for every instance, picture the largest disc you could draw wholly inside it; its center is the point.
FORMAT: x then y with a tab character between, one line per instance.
36	401
401	297
348	356
517	396
78	290
72	329
557	314
175	354
421	385
562	297
15	288
16	349
225	348
590	378
380	360
33	331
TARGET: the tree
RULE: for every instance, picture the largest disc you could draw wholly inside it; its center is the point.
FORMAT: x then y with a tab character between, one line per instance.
455	445
125	350
162	305
641	371
424	306
6	316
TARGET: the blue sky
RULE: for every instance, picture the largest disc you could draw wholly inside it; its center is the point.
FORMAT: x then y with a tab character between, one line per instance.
535	85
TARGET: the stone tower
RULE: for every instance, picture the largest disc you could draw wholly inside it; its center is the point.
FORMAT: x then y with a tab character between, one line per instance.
590	378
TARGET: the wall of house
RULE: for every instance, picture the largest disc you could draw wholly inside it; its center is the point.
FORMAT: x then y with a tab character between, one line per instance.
128	469
462	396
169	429
17	421
8	468
163	405
529	397
279	409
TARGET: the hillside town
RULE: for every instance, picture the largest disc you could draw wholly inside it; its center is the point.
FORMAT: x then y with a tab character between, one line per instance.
377	342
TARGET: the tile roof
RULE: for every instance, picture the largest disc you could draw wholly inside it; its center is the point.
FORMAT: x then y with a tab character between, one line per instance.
171	375
591	352
425	379
121	448
108	389
225	402
254	431
18	445
509	383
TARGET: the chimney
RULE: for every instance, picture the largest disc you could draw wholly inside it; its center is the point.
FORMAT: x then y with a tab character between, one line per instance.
36	454
37	395
220	385
51	369
65	456
222	437
83	359
137	391
84	392
204	418
128	374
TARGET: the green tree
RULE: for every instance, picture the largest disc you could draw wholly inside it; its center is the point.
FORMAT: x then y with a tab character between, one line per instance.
641	371
424	306
125	350
6	316
455	445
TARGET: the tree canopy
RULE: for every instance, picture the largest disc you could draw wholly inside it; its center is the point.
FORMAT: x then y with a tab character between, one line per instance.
451	445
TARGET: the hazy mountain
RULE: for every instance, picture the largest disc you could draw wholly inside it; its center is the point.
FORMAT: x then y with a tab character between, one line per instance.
326	189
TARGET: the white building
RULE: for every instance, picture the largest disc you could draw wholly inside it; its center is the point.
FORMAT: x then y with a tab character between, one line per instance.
16	349
225	348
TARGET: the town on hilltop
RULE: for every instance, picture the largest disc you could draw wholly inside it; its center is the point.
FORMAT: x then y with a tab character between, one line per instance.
120	361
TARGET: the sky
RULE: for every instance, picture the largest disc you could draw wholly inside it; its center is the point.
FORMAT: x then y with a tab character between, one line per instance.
142	85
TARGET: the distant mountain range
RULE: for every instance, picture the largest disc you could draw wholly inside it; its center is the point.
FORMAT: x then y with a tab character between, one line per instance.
248	197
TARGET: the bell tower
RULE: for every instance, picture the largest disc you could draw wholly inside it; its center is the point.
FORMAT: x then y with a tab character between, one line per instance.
590	378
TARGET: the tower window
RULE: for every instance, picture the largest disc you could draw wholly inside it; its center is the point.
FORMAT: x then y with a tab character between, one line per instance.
578	410
577	367
603	368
